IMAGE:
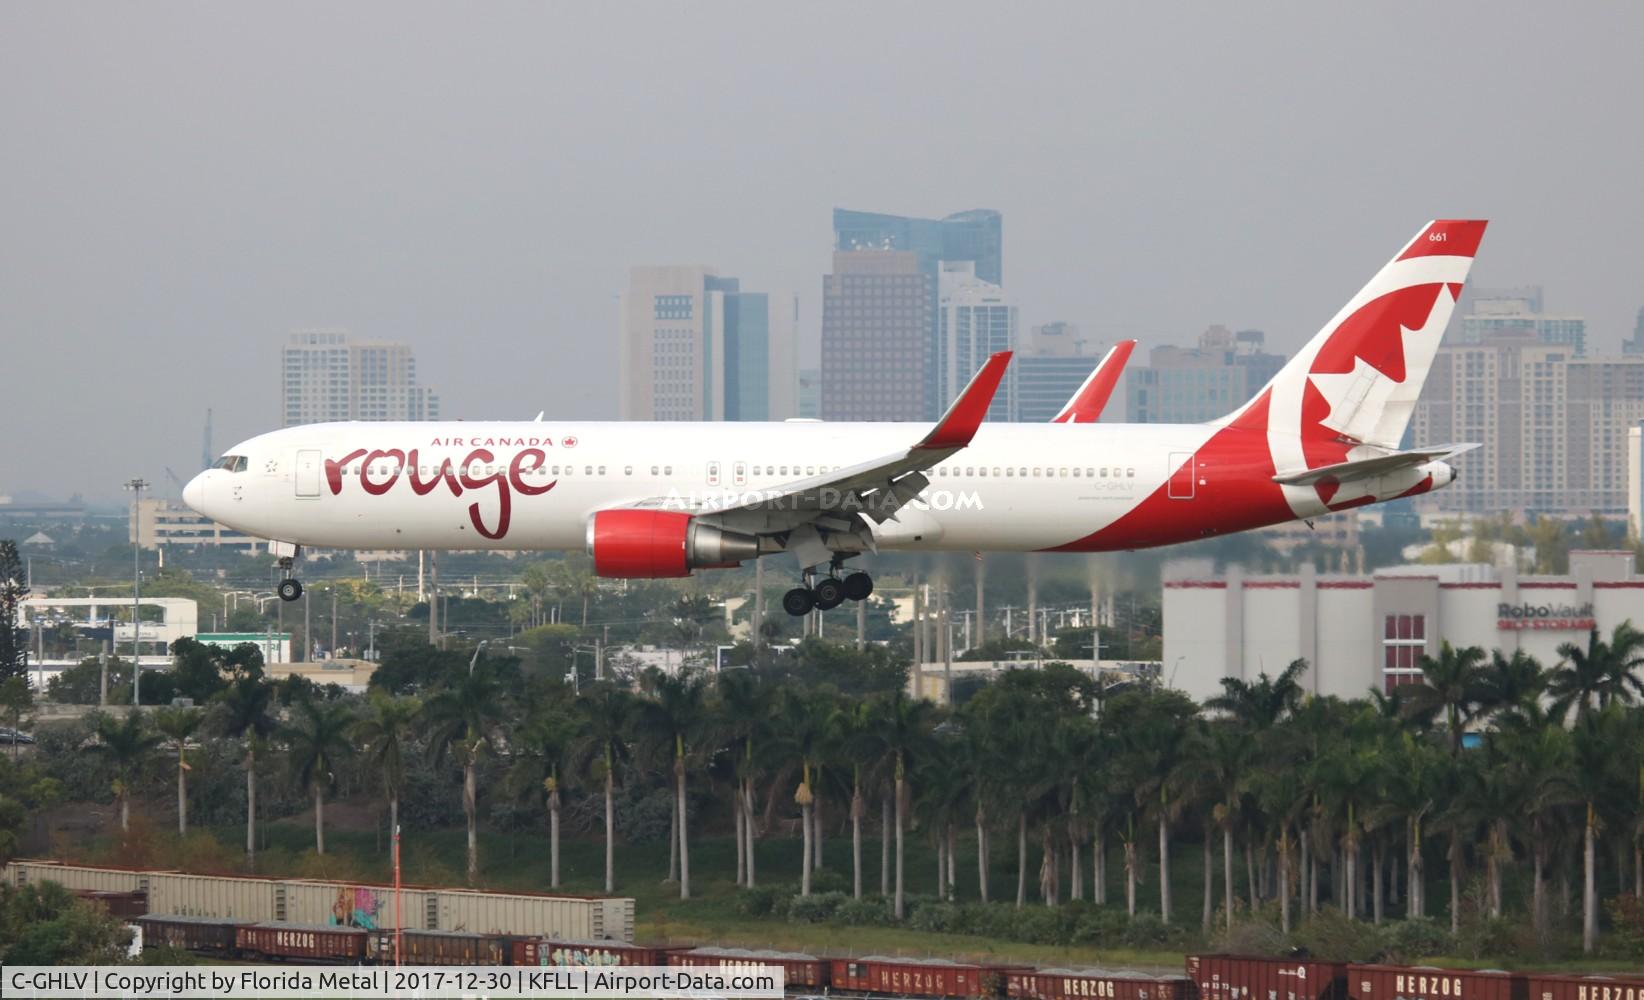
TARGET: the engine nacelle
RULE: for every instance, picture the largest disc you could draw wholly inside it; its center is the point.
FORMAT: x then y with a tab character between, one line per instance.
650	544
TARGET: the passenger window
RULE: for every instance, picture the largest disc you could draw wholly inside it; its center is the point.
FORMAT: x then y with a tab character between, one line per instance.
1131	473
653	470
810	471
1104	472
970	471
1009	473
1035	473
627	470
1075	473
784	470
1064	473
667	470
587	470
1091	473
982	472
602	470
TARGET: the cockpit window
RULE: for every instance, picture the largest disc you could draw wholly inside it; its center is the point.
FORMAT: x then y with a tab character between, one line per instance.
231	463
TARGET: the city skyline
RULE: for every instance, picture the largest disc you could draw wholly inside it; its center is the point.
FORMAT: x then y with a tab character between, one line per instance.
437	185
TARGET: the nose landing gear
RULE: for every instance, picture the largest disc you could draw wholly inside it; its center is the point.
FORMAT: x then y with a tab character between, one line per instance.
827	593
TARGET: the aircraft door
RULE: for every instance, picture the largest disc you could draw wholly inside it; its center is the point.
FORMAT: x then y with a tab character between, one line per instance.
1183	477
713	473
739	473
308	472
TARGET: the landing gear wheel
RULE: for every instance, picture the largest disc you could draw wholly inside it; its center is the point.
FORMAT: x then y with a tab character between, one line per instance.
290	589
798	602
830	593
858	586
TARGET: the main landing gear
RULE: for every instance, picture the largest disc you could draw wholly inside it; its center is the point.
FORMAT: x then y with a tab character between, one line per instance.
289	588
827	593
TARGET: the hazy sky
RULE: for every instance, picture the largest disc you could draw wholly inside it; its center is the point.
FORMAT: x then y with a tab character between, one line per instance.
182	185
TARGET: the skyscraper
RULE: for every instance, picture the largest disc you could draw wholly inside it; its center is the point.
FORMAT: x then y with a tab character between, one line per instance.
974	320
1192	385
975	235
877	350
697	347
1487	311
327	376
1554	426
1050	366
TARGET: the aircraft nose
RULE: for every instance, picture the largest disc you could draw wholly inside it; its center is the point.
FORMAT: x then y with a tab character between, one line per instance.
194	493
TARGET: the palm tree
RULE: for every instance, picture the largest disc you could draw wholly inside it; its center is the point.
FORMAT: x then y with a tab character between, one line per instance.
901	734
1603	672
1596	740
319	738
542	743
384	732
605	714
243	713
803	721
672	719
744	721
1512	686
179	725
1264	704
461	720
1539	763
1453	684
127	745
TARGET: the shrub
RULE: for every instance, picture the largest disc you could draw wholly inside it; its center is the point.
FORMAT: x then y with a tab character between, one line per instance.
1100	926
873	911
815	908
1251	937
756	902
1627	917
1331	935
828	880
1037	925
1146	930
1415	939
944	918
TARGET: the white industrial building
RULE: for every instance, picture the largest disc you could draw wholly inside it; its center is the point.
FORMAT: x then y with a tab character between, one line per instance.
1364	632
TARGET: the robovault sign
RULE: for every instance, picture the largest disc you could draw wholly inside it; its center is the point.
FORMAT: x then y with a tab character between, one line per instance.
1560	617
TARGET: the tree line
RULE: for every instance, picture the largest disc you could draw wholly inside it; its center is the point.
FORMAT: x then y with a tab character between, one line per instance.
1493	773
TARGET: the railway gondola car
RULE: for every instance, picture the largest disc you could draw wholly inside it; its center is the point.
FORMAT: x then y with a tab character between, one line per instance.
1248	977
548	952
798	968
1564	986
1399	982
934	978
127	905
204	935
1100	984
423	947
308	942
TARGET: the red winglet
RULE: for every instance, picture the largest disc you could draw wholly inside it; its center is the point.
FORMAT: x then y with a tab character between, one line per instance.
1087	404
1447	238
959	424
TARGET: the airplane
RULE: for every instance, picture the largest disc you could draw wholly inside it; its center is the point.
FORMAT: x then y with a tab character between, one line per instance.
658	500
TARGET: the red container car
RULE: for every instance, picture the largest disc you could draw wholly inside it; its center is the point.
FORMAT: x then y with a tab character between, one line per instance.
211	935
1560	986
800	969
1247	977
314	942
918	977
1078	984
425	947
1402	982
547	952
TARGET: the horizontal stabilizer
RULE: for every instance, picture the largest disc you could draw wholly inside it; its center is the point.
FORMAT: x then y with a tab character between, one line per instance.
1370	468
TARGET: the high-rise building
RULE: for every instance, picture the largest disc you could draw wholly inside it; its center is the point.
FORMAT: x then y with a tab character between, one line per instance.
695	346
974	321
1635	343
1192	385
1554	425
327	376
877	352
1050	366
975	236
810	394
1488	311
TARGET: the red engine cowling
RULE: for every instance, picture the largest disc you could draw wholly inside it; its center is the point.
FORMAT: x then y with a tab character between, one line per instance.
650	544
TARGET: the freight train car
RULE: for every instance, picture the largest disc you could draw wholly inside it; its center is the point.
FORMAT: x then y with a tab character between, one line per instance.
546	952
1398	982
423	947
799	969
206	935
1079	984
1246	977
307	942
356	904
918	977
1563	986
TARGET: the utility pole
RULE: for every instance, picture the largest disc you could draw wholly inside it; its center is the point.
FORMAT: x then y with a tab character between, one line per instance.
333	622
759	604
1031	569
136	486
102	675
433	598
981	603
307	639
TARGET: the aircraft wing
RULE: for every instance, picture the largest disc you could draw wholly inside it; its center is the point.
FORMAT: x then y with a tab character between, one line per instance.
1369	468
1087	404
874	489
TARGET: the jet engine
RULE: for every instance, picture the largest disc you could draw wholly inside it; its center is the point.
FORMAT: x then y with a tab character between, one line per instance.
637	544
